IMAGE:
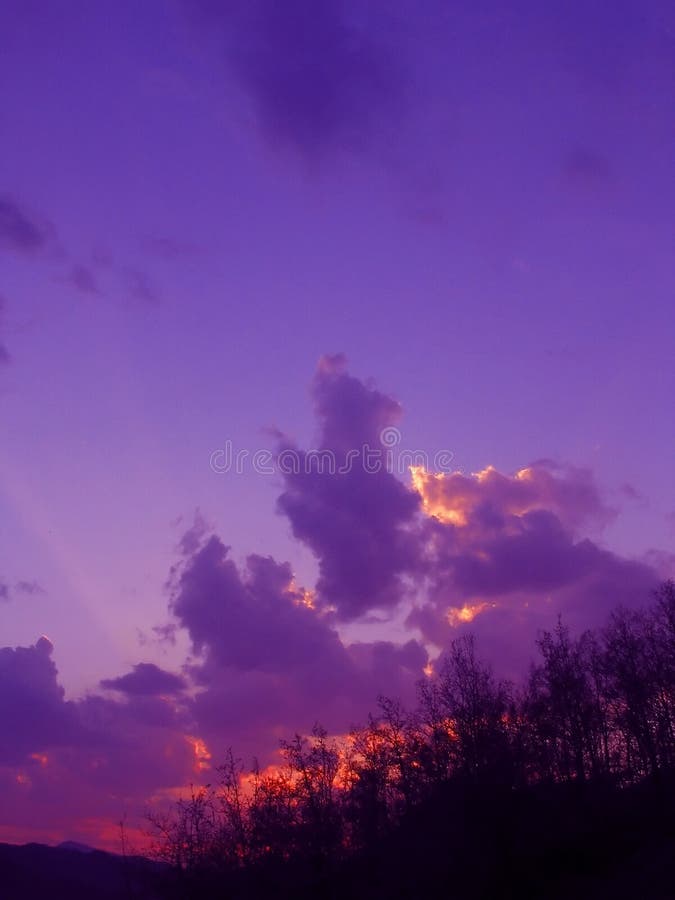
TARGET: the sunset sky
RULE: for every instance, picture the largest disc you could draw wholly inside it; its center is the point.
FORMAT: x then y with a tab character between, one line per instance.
314	225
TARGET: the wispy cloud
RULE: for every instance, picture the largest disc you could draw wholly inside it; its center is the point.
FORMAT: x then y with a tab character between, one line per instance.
141	287
4	352
83	280
22	231
146	679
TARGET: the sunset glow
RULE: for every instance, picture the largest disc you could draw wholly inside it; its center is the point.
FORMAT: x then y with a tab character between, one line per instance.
336	350
426	484
467	613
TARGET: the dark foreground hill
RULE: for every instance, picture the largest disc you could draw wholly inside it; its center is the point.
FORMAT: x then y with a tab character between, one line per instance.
37	872
554	843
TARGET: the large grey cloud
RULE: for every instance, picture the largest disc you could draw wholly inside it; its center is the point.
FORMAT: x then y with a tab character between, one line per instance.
268	661
319	75
355	519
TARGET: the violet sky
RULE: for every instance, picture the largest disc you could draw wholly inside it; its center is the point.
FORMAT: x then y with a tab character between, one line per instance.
291	225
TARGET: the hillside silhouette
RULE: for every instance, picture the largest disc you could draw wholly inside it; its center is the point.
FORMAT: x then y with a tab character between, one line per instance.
74	872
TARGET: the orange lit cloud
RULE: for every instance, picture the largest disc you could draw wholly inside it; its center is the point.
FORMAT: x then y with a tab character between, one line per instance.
464	614
202	756
430	487
455	498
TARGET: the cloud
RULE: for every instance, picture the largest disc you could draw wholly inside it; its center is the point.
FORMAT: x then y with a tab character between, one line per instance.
570	493
21	587
501	553
64	762
4	353
255	619
141	287
25	233
20	231
29	587
268	661
319	80
146	679
33	712
506	554
355	520
83	280
455	547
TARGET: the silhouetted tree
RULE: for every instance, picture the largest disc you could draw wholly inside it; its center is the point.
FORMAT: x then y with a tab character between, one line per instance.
597	710
566	706
466	710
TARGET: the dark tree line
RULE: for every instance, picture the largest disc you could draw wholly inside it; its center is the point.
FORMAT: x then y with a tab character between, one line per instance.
595	718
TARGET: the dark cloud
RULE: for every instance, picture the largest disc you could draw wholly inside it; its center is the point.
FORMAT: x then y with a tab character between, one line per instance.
20	231
388	669
29	587
350	413
146	679
101	258
356	517
67	765
33	711
534	555
320	78
141	287
269	662
258	619
83	280
631	493
139	745
21	587
4	353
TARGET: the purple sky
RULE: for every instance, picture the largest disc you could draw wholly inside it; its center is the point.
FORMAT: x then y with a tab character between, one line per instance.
199	201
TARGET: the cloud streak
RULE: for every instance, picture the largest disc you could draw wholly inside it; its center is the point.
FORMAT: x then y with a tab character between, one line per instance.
146	680
4	352
21	231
